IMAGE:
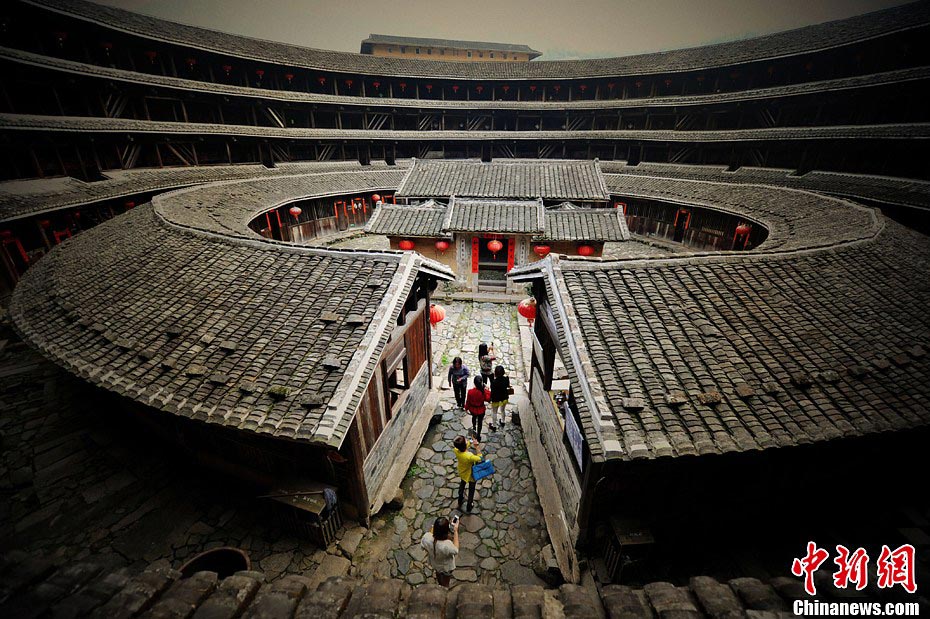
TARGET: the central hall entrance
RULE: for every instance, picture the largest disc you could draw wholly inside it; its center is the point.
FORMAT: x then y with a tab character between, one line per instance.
492	266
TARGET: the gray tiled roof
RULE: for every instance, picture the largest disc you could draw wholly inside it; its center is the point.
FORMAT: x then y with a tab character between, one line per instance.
514	216
569	223
503	179
792	42
791	343
418	221
887	189
187	85
93	587
602	224
171	303
585	182
389	39
20	199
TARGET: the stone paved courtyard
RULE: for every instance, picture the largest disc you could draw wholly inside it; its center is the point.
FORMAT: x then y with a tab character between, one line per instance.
501	540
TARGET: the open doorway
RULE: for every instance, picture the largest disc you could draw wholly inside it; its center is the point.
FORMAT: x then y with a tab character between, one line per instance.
492	265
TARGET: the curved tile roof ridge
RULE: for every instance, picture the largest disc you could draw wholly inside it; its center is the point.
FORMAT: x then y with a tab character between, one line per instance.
802	40
97	71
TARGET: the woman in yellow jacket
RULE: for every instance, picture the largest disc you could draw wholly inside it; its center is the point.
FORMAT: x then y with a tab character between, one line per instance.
466	460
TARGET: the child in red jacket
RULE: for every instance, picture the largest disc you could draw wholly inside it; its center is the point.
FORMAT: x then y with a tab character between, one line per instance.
474	404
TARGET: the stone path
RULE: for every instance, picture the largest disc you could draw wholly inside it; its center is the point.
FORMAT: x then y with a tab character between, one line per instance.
501	540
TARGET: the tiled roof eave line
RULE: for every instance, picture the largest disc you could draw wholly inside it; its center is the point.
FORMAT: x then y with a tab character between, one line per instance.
592	392
356	376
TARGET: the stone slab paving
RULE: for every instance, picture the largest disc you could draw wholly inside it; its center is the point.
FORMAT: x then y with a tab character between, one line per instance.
500	541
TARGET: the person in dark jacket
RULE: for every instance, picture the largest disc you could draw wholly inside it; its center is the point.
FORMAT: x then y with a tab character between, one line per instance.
475	401
500	394
458	380
485	361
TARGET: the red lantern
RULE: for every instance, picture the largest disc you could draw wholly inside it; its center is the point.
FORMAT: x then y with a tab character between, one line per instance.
557	88
610	85
495	246
668	82
45	223
376	84
505	88
639	83
260	73
61	37
289	77
585	250
349	83
455	88
527	309
228	69
442	245
429	88
151	55
533	88
376	198
583	87
403	86
479	89
295	211
106	46
130	204
321	80
406	245
191	62
542	250
437	314
743	228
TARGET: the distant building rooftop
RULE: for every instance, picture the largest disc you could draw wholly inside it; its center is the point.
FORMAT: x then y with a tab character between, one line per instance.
390	39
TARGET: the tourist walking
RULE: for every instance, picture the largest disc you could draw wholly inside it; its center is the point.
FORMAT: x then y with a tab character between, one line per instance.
442	550
466	460
458	380
486	361
475	401
500	395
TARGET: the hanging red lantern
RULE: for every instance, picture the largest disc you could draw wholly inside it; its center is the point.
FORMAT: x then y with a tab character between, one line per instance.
376	198
437	314
542	250
442	245
321	80
527	309
455	88
610	85
406	245
505	88
151	55
533	88
639	83
260	73
349	83
228	69
295	211
289	77
191	62
403	86
585	250
106	46
61	37
376	85
495	246
743	228
583	87
45	223
479	89
429	88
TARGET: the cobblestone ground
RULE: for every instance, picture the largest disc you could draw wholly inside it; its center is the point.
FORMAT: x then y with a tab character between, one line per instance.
501	540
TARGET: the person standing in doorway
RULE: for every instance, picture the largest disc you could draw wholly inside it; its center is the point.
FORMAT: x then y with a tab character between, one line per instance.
466	460
441	550
475	404
486	361
500	394
458	380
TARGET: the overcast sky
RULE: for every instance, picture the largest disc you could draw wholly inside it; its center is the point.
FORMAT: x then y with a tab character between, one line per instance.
564	29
